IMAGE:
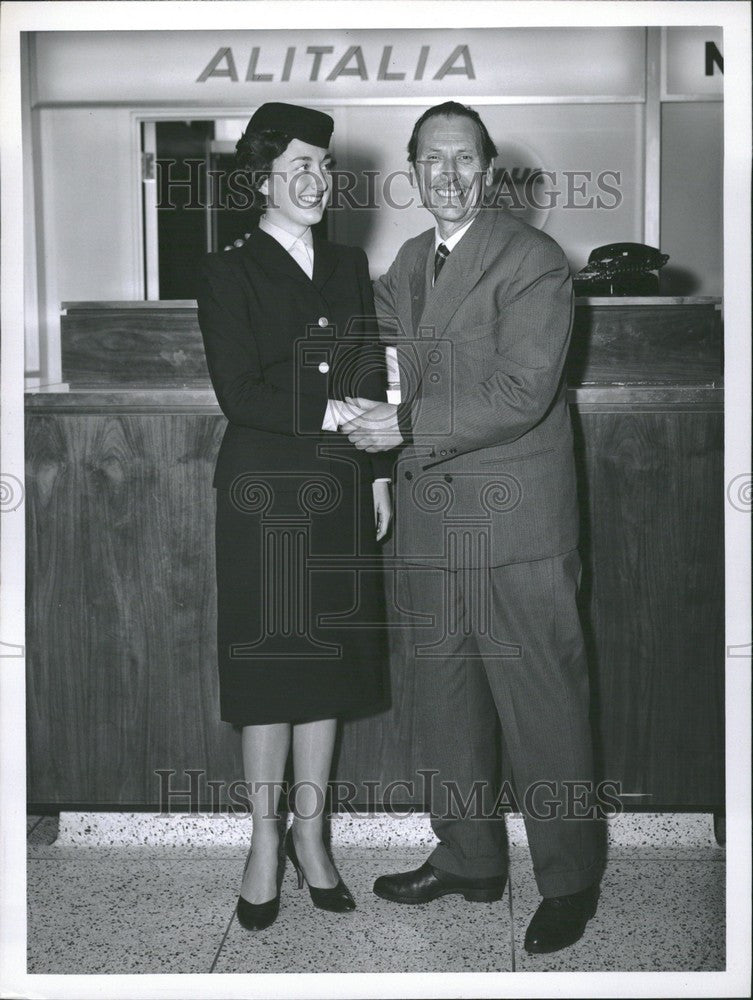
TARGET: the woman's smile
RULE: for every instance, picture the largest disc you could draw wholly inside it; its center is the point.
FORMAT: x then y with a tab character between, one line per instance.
298	186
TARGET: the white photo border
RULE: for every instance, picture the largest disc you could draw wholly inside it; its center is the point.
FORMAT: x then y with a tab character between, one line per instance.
173	16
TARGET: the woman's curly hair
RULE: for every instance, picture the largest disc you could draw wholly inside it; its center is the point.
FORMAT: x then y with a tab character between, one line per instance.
256	151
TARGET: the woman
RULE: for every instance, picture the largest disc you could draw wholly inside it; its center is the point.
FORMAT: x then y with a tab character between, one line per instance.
300	643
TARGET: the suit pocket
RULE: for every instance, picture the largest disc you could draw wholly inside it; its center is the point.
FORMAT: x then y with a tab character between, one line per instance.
502	461
468	334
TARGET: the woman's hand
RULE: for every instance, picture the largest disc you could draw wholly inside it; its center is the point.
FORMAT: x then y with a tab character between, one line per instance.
382	507
375	428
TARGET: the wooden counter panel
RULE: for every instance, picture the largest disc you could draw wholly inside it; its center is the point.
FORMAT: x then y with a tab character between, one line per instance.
623	340
121	609
121	603
119	343
663	343
651	492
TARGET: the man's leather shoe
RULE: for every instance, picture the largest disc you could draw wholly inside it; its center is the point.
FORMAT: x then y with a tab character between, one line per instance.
560	921
427	883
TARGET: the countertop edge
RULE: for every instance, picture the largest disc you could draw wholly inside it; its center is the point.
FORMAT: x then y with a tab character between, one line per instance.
161	399
137	305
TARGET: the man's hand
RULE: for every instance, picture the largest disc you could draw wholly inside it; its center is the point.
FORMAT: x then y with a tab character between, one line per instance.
375	428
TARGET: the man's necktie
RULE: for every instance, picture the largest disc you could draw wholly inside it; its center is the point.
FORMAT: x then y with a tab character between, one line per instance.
439	258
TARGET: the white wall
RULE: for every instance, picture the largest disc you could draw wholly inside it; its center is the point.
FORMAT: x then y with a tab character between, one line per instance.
691	197
559	138
88	208
90	194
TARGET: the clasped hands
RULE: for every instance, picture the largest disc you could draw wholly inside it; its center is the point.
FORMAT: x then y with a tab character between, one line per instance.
369	425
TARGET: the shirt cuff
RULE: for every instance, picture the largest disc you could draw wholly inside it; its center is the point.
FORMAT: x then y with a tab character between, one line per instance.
330	417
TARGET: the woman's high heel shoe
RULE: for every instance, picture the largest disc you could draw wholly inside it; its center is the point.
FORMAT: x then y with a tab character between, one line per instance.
257	916
337	899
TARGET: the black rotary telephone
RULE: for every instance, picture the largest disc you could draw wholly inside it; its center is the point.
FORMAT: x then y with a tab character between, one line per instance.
621	269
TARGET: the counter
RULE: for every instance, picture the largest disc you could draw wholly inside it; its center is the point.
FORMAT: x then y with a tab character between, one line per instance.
121	605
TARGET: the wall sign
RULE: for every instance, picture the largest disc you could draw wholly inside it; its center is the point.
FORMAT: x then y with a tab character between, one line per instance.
353	62
694	62
247	67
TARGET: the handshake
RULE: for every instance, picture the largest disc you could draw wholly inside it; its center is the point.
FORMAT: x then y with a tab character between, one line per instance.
369	425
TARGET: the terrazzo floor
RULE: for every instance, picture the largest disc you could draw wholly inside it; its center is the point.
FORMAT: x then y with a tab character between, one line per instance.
115	906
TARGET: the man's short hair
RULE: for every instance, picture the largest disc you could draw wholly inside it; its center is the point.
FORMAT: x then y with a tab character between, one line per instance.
453	108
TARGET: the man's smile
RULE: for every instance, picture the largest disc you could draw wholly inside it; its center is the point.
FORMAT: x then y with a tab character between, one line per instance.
449	191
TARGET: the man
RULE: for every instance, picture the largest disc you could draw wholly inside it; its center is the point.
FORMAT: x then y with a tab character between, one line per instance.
480	309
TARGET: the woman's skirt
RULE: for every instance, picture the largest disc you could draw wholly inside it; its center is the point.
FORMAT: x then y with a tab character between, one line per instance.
300	600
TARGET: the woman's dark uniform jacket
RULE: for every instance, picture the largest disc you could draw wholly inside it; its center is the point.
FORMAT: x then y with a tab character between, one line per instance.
295	524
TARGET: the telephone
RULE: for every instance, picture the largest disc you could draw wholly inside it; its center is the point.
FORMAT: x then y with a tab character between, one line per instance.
621	269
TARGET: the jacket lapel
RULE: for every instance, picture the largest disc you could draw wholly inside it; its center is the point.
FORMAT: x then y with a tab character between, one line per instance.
325	262
270	256
462	270
417	277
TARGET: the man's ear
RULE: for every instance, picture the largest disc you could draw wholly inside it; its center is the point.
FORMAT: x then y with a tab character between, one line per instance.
264	186
412	175
489	173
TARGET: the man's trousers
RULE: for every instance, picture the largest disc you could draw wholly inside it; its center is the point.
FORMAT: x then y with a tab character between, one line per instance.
505	643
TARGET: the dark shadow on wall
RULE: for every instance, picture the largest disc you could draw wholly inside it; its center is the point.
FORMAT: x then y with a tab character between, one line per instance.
585	594
678	281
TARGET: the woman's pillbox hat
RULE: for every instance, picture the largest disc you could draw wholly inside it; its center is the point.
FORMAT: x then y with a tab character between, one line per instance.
305	124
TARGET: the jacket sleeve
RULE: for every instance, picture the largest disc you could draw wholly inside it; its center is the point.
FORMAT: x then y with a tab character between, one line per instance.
526	361
372	363
391	333
245	396
385	302
373	359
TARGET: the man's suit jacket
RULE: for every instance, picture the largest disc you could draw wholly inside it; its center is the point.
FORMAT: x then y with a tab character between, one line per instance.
488	475
278	345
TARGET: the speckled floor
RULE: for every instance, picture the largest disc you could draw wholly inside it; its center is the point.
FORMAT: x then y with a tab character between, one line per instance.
113	893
